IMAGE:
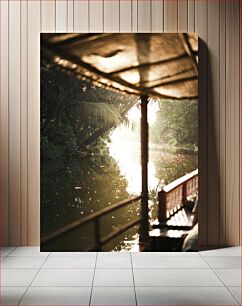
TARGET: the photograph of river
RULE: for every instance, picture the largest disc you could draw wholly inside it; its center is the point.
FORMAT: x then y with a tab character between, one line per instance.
91	160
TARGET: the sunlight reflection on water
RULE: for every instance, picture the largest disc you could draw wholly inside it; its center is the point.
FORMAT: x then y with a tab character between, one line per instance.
124	147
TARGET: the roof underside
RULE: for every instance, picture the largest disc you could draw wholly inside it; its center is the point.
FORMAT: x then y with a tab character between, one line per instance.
159	65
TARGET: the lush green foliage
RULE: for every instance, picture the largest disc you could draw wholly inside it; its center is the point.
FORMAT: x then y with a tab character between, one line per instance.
76	116
177	124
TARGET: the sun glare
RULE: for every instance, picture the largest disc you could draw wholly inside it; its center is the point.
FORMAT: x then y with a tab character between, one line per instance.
124	147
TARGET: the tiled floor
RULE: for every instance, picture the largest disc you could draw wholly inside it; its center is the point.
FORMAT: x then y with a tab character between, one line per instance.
29	277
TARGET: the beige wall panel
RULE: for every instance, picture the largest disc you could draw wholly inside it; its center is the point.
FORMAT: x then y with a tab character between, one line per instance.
183	15
14	123
33	122
70	16
201	29
23	123
96	16
4	123
111	15
217	24
125	16
134	19
191	15
171	16
232	122
61	16
222	120
81	16
213	123
48	16
157	16
144	16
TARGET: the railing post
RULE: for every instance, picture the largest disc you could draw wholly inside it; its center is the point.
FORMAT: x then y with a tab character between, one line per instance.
98	244
162	206
144	227
184	193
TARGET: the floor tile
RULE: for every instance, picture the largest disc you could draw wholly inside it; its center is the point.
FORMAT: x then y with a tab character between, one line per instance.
230	251
165	254
64	277
230	277
17	277
184	296
73	254
169	262
113	296
231	262
236	292
57	296
114	254
173	277
28	251
23	262
12	295
70	262
113	262
4	251
113	277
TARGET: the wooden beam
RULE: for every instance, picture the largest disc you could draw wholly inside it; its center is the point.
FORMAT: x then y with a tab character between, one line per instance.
189	51
144	226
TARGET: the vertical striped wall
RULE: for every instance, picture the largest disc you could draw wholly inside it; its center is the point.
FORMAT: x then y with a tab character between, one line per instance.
216	22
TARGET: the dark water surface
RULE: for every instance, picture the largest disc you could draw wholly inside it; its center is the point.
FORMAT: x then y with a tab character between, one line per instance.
78	188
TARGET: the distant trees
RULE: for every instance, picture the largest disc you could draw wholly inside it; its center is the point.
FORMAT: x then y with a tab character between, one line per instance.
176	124
76	115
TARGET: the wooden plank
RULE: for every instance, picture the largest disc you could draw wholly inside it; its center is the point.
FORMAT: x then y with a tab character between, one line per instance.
171	16
4	122
232	122
14	123
111	16
191	16
201	29
70	16
61	16
222	141
23	123
125	16
134	16
213	124
144	16
48	16
33	123
96	16
183	16
157	14
81	16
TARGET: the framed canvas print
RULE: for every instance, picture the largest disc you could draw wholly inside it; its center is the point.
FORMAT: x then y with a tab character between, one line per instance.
119	142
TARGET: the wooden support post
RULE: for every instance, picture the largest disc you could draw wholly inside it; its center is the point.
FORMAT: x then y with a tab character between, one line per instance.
162	207
144	226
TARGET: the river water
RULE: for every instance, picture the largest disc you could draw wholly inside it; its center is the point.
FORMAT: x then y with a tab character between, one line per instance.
78	188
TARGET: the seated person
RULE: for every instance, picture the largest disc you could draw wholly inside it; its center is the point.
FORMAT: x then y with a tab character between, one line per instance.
191	241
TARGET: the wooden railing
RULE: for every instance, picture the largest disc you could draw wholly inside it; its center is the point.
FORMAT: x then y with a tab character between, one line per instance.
95	218
174	195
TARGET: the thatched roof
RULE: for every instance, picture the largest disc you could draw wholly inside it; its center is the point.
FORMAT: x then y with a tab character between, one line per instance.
160	65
